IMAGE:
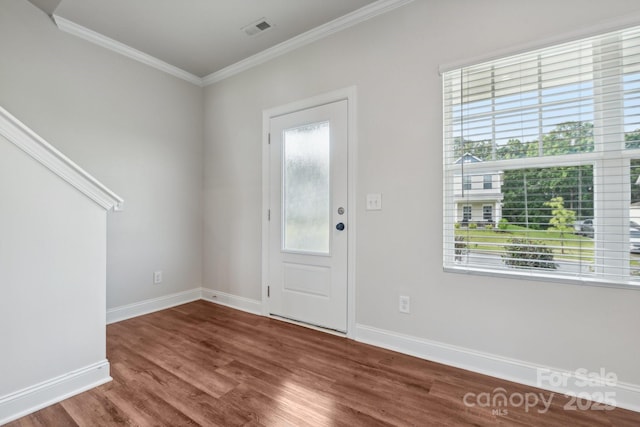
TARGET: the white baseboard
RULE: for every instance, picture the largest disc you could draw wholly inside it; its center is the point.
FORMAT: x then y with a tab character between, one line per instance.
31	399
149	306
624	395
129	311
241	303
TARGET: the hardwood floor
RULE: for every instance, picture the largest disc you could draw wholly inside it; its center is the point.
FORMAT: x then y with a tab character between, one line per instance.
205	364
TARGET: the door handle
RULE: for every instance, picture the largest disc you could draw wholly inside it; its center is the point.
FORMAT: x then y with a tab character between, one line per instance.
340	226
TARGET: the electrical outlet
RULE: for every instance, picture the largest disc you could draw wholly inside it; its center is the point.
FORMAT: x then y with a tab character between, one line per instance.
405	304
157	277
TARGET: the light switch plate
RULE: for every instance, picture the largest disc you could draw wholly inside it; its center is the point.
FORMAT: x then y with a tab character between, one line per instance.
404	304
374	202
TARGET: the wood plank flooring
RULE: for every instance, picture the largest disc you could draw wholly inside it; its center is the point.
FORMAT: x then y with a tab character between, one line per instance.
209	365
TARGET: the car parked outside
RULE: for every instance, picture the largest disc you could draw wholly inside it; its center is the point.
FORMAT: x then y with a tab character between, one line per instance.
584	227
634	240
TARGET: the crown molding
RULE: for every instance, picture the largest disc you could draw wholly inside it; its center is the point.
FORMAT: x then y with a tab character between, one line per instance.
31	143
363	14
121	48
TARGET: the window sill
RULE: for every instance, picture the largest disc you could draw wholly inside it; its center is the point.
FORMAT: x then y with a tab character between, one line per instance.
550	278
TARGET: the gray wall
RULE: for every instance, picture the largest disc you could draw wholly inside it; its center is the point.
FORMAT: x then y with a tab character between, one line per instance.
47	263
393	60
136	129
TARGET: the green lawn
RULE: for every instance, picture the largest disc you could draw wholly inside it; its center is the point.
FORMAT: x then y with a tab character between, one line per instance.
576	248
567	247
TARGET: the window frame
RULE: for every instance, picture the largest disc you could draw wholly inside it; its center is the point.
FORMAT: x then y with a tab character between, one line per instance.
605	157
467	183
464	213
484	213
487	182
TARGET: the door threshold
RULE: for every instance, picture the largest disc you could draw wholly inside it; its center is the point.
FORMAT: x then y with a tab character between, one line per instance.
309	325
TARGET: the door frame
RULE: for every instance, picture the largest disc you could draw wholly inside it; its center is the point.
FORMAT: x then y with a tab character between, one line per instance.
348	94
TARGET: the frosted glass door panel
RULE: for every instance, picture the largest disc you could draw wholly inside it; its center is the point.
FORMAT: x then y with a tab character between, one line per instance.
306	210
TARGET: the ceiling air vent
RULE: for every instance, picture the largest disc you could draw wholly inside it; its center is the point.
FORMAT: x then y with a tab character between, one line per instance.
257	27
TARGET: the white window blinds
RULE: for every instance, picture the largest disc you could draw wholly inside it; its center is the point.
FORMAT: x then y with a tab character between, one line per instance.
542	162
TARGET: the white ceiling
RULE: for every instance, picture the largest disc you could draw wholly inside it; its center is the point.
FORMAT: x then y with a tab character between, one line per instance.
203	37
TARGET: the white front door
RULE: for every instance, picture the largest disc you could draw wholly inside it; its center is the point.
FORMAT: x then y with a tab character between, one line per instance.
307	278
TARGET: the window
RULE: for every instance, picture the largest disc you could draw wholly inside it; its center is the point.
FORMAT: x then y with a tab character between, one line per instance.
488	182
487	213
466	182
560	127
466	213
